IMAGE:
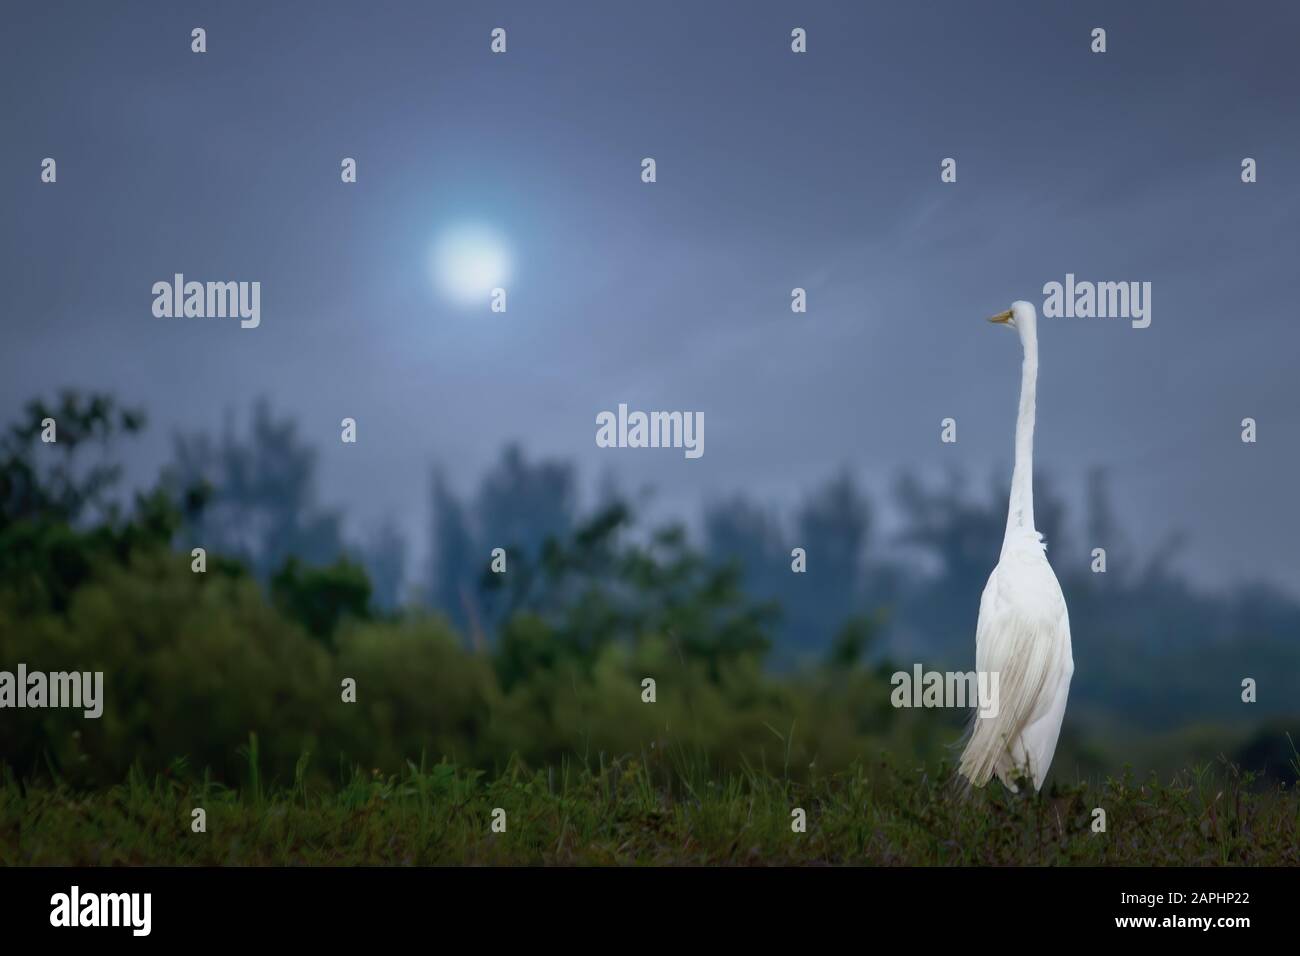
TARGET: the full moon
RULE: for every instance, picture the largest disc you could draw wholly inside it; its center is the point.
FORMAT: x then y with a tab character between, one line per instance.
468	263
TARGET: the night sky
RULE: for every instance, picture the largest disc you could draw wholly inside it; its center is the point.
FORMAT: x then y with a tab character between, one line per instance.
775	170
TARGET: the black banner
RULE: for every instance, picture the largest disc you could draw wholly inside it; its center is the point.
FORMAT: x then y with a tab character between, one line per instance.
233	905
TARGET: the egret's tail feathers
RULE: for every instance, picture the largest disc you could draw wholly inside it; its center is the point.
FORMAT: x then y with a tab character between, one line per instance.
1023	662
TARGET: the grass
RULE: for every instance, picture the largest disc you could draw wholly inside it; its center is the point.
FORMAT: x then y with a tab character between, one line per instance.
643	811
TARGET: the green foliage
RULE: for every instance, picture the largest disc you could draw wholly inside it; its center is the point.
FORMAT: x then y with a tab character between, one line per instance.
231	677
597	588
418	691
195	663
47	489
646	810
50	482
319	599
192	663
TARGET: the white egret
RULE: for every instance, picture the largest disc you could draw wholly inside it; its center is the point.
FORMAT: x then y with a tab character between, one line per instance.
1023	634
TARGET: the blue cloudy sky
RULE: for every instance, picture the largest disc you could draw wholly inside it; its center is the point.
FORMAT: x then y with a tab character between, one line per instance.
774	171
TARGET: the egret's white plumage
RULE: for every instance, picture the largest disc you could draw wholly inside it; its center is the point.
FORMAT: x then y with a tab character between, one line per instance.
1023	633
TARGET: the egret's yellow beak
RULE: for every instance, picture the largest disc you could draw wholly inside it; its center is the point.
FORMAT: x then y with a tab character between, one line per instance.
1001	317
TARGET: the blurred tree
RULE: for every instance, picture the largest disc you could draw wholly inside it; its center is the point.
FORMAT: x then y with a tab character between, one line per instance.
833	525
738	531
594	588
852	642
261	500
50	495
384	558
518	506
588	609
454	561
53	481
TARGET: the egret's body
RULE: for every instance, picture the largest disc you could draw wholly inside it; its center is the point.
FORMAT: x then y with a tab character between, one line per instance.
1023	633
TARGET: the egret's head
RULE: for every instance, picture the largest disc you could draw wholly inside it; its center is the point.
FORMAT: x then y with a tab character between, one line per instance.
1021	316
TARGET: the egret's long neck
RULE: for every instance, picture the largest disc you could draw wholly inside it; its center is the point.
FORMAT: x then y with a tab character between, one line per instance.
1020	513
